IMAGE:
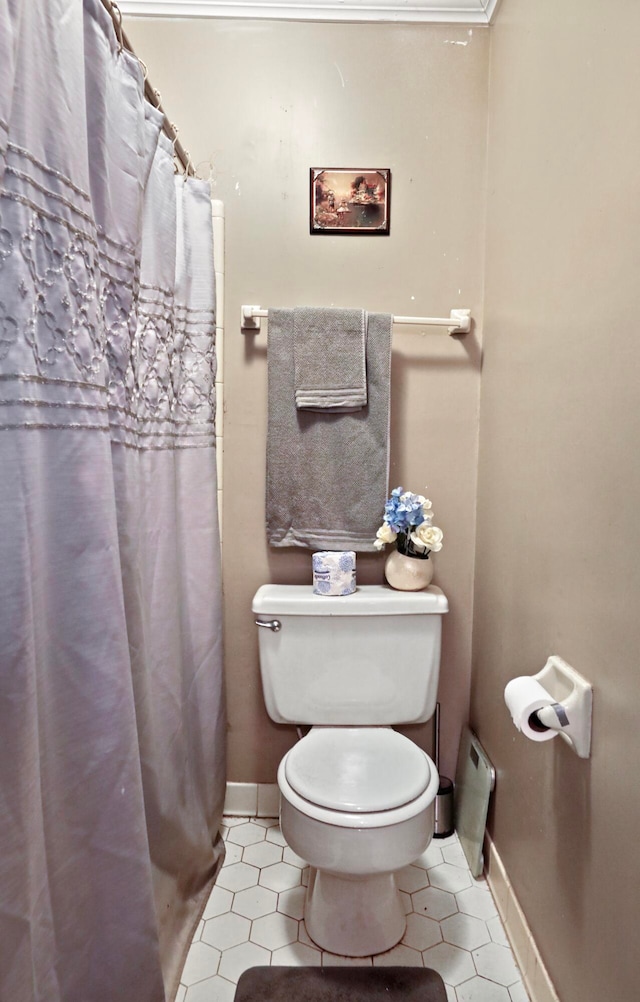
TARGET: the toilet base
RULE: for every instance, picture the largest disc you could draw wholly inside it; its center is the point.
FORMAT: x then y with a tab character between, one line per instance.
354	916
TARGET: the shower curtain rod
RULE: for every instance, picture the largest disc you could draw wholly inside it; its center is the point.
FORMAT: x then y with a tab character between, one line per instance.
458	322
152	95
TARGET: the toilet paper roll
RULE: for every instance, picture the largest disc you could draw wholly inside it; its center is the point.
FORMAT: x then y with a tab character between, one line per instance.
334	572
523	697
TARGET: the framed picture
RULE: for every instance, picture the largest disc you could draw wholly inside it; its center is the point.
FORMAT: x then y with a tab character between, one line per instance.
348	201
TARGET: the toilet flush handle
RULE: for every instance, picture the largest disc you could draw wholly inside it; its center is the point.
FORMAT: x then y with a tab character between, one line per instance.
272	624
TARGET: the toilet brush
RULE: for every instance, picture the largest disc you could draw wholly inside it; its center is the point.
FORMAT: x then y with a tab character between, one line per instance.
443	824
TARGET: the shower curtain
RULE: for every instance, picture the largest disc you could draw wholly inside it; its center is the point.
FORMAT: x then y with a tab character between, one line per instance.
111	703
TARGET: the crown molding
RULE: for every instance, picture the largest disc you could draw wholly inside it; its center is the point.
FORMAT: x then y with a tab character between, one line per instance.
472	12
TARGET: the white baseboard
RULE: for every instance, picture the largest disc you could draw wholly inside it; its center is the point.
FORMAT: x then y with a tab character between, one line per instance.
534	973
252	800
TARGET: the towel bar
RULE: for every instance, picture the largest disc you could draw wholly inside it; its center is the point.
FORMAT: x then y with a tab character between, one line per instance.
458	322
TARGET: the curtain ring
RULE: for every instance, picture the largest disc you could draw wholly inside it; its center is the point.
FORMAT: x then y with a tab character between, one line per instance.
209	163
116	15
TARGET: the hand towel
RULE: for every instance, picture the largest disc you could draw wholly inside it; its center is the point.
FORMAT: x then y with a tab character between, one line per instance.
329	358
327	473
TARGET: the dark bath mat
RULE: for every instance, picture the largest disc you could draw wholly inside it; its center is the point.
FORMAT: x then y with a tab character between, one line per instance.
340	984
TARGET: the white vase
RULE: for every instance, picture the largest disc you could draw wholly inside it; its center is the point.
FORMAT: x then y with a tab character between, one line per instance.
407	573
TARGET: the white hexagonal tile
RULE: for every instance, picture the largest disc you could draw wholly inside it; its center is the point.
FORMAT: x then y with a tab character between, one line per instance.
238	959
181	993
496	931
266	822
275	835
212	990
448	877
289	856
517	993
399	956
198	933
219	902
202	962
232	853
274	931
226	931
297	955
254	902
476	901
280	876
246	834
452	964
434	903
292	902
262	854
304	879
430	857
238	876
496	963
412	878
455	854
230	821
465	931
479	990
421	932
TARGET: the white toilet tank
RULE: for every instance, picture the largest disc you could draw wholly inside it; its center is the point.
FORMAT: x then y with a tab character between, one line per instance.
371	658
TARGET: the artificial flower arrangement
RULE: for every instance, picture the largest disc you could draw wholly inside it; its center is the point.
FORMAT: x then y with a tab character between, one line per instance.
408	521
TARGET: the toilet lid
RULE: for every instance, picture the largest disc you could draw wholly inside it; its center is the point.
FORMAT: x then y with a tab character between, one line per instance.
357	769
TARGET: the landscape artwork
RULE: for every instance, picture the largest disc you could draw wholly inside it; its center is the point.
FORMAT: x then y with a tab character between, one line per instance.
350	201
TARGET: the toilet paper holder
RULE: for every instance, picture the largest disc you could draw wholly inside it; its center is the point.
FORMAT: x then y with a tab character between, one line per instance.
570	714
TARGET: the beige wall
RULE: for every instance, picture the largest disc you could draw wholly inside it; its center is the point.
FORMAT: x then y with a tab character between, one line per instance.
268	101
557	540
558	522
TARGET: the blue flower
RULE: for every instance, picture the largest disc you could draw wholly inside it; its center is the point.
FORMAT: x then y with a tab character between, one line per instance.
404	512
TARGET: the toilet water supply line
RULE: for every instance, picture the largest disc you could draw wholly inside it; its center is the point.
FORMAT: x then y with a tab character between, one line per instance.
436	743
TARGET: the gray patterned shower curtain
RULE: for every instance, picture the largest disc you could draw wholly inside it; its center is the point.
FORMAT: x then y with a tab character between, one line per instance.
111	704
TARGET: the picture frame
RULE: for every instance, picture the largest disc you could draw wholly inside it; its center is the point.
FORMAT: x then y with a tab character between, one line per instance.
350	201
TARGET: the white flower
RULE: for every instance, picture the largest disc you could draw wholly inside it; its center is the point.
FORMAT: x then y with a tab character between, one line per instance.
427	537
426	505
384	535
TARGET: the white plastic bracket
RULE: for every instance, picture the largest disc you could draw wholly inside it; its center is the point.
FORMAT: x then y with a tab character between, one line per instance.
573	695
462	321
249	322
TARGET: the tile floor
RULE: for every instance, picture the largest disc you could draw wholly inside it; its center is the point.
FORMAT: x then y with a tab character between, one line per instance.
254	917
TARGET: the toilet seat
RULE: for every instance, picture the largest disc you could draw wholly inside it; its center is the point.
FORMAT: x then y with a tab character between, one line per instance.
360	769
358	777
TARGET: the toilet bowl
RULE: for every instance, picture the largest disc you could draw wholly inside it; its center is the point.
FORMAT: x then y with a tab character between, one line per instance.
357	804
357	797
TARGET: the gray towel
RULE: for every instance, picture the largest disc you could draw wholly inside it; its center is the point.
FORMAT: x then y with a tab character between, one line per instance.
327	473
329	358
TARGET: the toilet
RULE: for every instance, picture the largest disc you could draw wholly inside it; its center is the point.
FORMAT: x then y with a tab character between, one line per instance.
356	797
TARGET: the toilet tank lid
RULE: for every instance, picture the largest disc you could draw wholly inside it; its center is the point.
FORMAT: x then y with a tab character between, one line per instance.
366	600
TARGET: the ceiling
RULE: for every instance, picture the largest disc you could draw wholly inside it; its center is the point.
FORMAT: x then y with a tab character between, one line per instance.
473	12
